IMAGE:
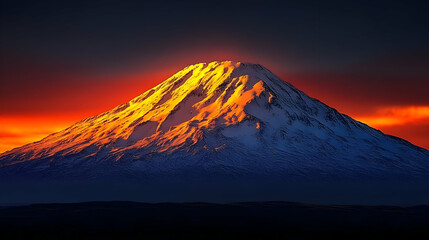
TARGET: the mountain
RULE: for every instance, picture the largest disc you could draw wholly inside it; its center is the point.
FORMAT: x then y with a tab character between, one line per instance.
219	120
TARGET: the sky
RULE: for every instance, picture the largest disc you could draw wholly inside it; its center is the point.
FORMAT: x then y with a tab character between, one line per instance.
62	61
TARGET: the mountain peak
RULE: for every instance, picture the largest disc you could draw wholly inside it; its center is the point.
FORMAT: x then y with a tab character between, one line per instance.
222	108
237	67
225	64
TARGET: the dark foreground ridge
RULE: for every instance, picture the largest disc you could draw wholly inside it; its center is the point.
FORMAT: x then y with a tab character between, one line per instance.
254	220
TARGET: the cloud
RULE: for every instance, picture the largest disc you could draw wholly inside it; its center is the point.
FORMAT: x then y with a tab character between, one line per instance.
397	115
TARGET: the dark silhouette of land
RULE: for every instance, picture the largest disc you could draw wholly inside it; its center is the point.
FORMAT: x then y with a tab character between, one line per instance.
254	220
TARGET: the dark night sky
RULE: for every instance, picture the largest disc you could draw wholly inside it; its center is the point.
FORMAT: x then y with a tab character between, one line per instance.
72	59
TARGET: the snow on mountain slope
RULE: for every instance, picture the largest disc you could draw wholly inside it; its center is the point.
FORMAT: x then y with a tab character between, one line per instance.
228	117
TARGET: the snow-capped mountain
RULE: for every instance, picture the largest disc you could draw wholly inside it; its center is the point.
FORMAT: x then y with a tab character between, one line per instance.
233	116
218	119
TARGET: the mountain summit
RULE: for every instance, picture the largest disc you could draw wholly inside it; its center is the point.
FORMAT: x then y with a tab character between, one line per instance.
215	119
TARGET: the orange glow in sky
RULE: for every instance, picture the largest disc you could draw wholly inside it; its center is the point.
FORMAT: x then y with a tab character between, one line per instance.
16	131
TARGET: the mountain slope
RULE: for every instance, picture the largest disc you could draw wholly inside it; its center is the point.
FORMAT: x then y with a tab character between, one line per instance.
221	117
